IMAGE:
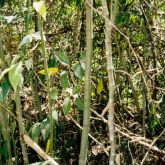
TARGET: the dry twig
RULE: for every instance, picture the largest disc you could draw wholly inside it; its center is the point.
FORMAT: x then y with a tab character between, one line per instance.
37	148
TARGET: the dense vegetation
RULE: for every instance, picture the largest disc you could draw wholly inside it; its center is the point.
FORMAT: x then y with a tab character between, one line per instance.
55	66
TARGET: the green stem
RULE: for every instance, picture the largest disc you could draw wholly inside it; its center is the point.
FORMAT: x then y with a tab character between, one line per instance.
47	84
87	87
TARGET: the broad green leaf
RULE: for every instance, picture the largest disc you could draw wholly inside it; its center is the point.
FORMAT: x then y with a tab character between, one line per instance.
78	71
26	40
40	8
79	104
15	76
45	128
4	89
48	145
54	93
66	105
100	86
35	133
62	58
76	90
64	80
51	71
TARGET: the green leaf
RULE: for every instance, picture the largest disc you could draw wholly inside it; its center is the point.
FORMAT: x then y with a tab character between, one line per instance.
35	134
100	86
40	8
15	75
54	93
66	105
4	89
78	70
62	58
79	104
76	90
48	145
45	129
64	80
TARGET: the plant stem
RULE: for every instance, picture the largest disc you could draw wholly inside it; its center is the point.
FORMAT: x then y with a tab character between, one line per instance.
110	70
47	84
20	125
87	88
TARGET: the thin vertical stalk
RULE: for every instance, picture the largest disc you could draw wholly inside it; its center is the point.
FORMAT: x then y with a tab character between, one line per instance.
40	26
87	88
3	115
20	125
110	69
6	133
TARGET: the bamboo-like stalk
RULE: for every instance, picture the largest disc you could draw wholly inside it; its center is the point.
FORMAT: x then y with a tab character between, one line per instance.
6	133
110	69
4	115
20	125
87	88
40	26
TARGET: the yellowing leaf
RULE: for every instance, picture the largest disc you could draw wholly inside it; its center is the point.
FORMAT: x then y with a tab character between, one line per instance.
100	86
93	91
40	8
48	146
51	71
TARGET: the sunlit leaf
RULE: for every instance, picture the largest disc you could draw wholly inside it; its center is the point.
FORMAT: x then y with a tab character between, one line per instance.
66	105
40	8
55	115
37	36
51	71
29	63
64	80
48	145
26	40
54	93
100	86
10	18
30	37
62	58
15	76
6	71
93	91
